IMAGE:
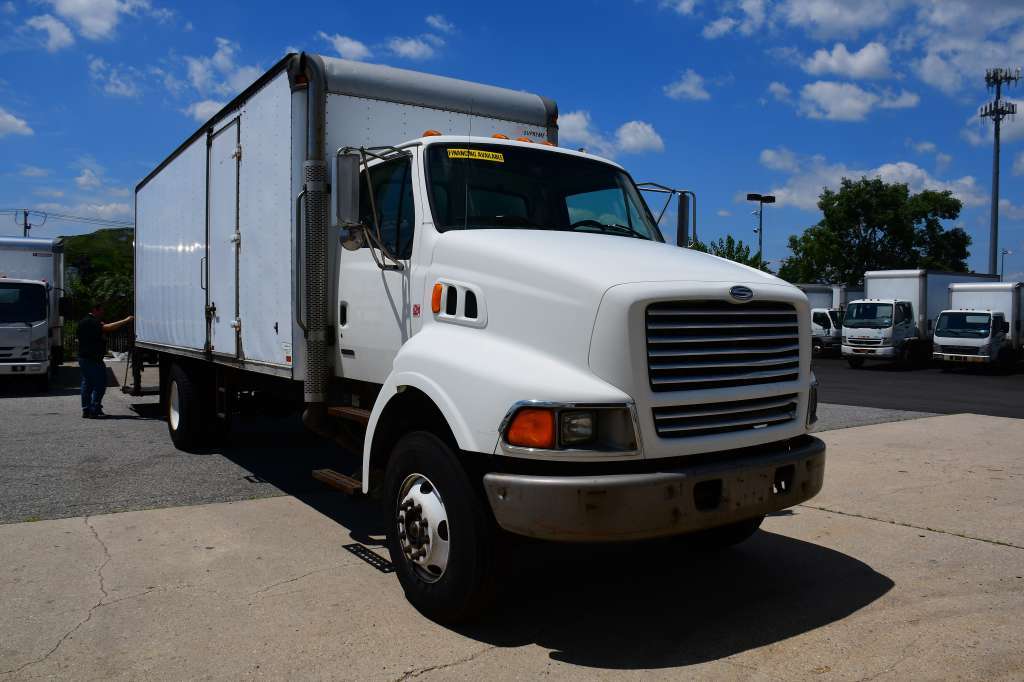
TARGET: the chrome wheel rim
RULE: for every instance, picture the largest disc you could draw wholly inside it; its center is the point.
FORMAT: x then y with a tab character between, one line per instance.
423	532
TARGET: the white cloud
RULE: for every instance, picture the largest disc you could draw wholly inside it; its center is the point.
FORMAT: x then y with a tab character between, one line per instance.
411	48
781	159
439	23
638	136
723	213
58	36
220	73
114	81
12	125
34	172
105	211
576	128
848	102
98	19
942	161
1018	164
8	8
922	146
779	91
811	174
826	18
684	7
719	27
690	85
204	110
88	179
347	48
871	61
752	16
49	192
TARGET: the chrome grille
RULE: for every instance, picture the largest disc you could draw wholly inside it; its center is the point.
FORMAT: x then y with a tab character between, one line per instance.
851	341
694	345
689	421
960	350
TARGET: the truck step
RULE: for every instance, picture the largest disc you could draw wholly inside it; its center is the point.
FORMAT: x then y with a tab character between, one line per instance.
356	414
346	484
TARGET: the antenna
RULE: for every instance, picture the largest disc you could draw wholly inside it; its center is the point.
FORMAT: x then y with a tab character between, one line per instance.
997	110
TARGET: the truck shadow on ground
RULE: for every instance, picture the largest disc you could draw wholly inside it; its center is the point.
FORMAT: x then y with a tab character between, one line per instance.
657	605
67	381
621	606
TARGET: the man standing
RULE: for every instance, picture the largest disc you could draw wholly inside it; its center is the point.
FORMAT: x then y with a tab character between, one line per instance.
92	346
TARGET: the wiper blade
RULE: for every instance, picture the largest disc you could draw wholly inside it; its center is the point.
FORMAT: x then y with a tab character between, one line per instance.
613	227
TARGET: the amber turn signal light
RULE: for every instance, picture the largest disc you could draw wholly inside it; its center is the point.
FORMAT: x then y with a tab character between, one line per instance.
435	298
532	428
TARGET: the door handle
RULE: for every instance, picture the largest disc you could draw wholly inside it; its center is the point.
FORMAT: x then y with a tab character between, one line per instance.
202	273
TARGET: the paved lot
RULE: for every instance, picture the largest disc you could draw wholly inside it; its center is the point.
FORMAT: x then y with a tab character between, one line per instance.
887	386
910	564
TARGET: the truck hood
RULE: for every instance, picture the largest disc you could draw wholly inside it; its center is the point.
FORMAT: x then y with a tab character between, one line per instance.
592	261
542	289
19	334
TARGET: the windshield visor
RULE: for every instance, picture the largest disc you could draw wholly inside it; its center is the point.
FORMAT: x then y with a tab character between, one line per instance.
22	302
869	315
501	186
964	325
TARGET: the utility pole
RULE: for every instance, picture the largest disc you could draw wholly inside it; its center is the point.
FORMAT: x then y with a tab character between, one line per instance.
997	110
25	223
761	200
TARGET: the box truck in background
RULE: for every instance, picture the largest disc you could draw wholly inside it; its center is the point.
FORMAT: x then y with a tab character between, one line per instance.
896	318
828	306
491	327
31	288
982	324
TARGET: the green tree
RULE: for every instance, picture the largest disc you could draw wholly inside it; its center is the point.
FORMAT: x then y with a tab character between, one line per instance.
731	249
870	224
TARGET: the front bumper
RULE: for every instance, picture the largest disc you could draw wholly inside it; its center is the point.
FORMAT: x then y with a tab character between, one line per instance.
950	357
647	505
886	352
24	368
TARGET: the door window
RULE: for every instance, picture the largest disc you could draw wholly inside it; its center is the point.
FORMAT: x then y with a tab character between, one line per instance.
821	319
392	195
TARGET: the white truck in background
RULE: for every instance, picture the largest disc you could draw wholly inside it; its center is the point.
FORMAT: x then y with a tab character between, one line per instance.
828	306
31	302
896	318
982	325
491	327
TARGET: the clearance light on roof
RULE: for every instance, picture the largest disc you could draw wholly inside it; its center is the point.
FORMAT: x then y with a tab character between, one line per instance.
431	133
499	136
548	143
523	139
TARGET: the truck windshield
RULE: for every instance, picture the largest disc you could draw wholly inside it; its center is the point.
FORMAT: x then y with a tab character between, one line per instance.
22	302
869	315
501	186
964	325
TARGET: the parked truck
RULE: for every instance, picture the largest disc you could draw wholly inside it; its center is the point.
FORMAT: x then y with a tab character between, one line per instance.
31	288
828	306
492	323
982	325
895	320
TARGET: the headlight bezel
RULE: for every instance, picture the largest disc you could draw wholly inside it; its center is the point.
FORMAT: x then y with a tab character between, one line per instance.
615	430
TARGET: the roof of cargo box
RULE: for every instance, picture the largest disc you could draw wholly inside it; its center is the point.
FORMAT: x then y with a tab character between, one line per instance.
31	244
985	286
376	81
387	83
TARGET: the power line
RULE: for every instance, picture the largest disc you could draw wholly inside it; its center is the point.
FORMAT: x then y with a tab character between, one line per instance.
24	214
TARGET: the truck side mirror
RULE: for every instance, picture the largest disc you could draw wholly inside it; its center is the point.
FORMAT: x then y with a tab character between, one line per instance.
1006	327
346	189
64	306
683	221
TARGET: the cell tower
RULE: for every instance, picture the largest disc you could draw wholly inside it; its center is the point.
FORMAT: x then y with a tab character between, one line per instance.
997	110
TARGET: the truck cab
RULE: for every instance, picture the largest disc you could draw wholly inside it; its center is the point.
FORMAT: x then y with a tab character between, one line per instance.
24	328
878	329
972	336
826	330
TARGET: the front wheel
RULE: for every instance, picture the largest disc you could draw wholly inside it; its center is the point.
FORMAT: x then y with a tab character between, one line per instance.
440	536
855	363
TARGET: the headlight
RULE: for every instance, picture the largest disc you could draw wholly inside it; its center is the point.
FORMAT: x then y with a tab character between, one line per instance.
37	349
550	426
39	344
812	401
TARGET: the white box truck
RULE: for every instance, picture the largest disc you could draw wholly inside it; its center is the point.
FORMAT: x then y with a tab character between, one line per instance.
982	325
490	326
896	318
31	302
828	303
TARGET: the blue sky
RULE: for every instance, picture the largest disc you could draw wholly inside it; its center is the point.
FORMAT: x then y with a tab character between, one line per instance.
724	98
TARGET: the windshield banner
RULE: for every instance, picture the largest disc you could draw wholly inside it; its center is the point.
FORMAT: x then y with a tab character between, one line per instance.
480	154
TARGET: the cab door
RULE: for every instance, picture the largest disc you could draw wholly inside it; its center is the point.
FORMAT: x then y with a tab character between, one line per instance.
374	304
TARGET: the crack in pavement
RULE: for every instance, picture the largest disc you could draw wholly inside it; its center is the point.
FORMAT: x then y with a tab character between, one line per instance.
88	616
262	590
990	541
410	674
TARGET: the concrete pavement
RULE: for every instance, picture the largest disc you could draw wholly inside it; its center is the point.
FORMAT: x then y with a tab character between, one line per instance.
851	586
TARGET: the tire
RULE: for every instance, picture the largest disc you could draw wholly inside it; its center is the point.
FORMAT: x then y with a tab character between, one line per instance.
452	578
725	536
184	411
855	363
41	384
817	348
903	357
